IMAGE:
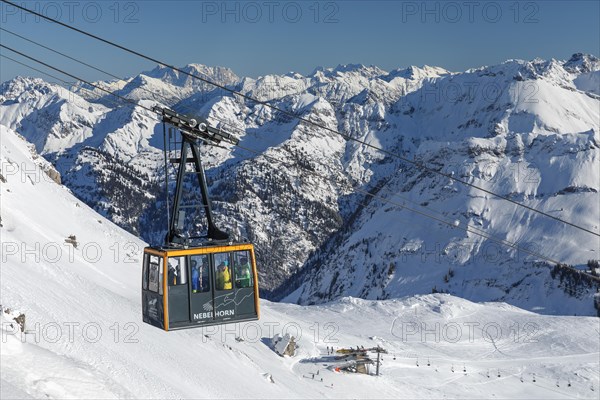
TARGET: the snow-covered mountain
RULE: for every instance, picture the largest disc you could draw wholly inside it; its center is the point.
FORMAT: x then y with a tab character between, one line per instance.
524	129
75	277
534	140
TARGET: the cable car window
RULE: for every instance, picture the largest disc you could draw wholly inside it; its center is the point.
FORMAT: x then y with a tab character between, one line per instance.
160	277
177	271
200	277
223	271
243	269
155	273
145	272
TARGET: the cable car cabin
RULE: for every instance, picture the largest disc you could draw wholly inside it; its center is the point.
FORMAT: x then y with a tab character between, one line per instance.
186	283
190	288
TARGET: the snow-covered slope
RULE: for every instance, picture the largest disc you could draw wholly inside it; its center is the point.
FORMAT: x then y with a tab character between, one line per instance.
524	129
535	141
469	351
86	340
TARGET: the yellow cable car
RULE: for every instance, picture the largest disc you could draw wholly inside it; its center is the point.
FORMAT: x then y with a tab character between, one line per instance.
186	288
195	281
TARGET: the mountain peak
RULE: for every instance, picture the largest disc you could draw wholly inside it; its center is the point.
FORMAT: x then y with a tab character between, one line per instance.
370	71
220	75
22	83
414	73
22	87
582	63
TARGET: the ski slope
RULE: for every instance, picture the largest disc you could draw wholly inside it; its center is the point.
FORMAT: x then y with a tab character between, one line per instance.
86	339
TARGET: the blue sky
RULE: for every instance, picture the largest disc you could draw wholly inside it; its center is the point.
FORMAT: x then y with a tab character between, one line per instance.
260	37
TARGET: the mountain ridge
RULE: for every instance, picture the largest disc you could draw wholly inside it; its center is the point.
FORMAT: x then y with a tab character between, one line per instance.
524	129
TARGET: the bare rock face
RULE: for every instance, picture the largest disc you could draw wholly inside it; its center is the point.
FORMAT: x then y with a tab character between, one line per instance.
53	174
